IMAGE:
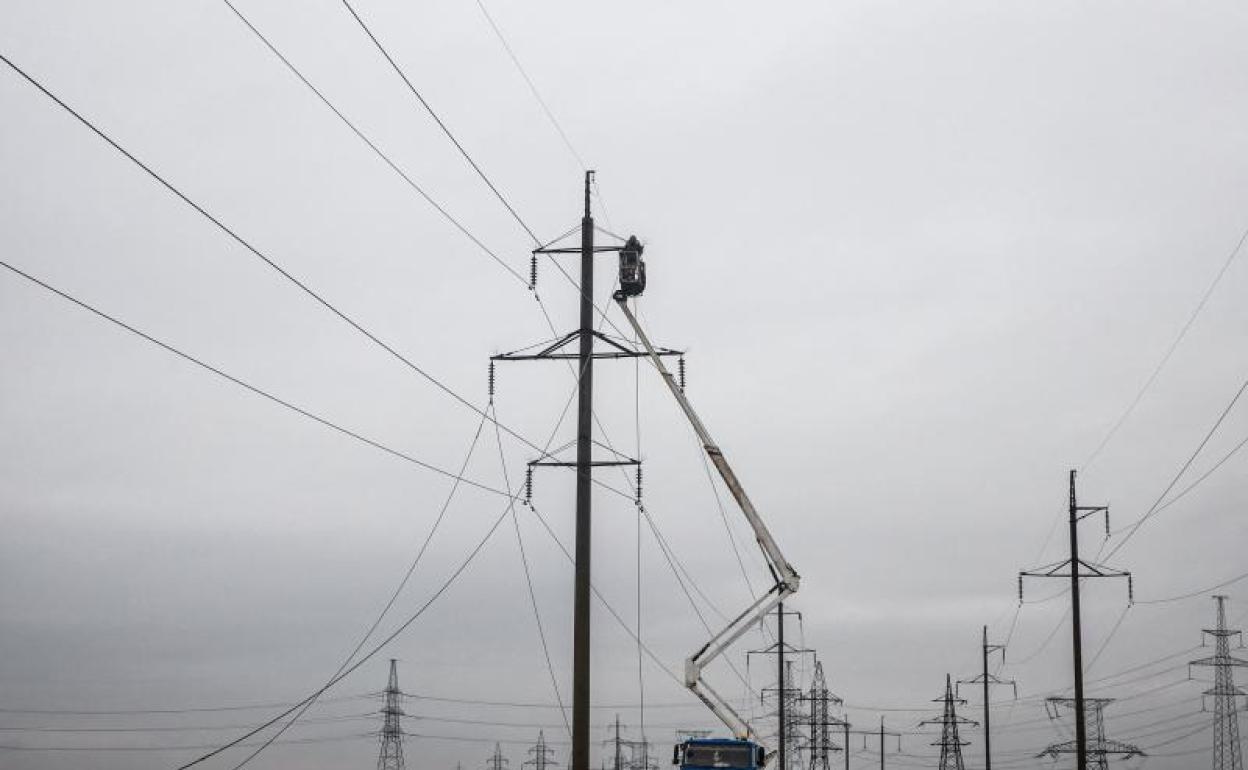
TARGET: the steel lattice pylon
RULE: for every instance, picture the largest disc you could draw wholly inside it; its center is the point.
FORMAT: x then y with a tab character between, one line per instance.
391	755
1100	748
950	743
821	721
1227	754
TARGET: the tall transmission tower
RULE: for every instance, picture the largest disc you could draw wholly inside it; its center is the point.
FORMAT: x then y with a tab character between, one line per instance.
1227	754
1076	568
950	744
987	680
585	338
820	699
541	756
1098	749
496	761
391	755
786	693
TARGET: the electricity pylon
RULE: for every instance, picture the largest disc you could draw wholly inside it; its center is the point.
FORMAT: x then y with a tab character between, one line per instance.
987	680
1098	749
1077	568
820	699
786	692
950	744
1226	750
540	755
496	761
391	755
585	338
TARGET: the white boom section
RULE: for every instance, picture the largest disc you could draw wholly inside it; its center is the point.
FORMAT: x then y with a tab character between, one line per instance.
782	572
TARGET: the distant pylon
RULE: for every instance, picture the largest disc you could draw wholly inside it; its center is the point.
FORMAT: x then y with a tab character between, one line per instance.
820	699
496	761
391	755
1226	750
540	755
1099	748
950	744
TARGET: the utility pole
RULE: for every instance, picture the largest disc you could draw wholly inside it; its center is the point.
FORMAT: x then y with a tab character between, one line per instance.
1078	569
1226	749
391	755
781	676
987	680
784	692
881	733
950	744
585	336
584	496
1099	749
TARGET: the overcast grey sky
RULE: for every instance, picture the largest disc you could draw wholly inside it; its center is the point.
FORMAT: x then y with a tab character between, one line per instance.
922	255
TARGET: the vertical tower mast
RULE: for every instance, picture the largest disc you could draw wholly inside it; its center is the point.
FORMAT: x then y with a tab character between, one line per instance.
1226	749
584	491
391	755
987	680
1078	568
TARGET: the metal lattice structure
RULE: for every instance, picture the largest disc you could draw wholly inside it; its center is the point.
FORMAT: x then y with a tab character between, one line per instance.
391	755
1099	748
950	743
1227	753
820	699
541	756
496	761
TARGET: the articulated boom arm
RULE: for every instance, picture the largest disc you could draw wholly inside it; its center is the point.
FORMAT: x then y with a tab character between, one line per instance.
786	578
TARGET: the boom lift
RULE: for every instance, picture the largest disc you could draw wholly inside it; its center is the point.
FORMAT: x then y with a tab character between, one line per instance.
701	753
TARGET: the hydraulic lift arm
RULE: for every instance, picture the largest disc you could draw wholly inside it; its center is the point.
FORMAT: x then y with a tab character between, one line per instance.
781	571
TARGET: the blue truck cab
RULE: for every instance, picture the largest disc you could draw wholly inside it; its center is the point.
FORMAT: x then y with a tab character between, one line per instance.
719	754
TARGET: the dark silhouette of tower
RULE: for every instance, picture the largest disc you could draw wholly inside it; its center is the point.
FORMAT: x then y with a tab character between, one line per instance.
541	756
496	761
820	700
1226	750
950	744
1099	748
391	755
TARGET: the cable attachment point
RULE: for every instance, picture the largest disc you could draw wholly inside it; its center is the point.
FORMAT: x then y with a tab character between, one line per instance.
680	368
528	486
491	382
533	272
638	499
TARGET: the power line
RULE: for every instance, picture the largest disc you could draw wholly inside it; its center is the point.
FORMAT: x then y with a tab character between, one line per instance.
1169	351
261	255
373	146
248	386
472	555
389	603
1201	592
533	88
1155	508
442	125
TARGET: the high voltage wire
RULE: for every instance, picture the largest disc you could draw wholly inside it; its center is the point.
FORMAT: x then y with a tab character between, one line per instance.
1169	351
1155	507
407	576
532	87
262	256
248	386
373	146
438	120
463	565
